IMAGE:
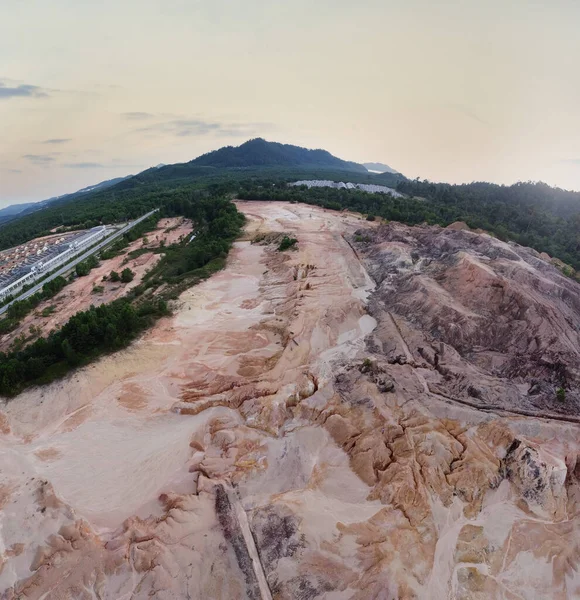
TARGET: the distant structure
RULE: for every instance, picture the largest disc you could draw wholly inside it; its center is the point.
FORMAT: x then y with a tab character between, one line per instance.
339	185
376	167
48	259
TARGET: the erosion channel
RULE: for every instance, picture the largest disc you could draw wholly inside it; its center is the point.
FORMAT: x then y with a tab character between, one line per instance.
370	415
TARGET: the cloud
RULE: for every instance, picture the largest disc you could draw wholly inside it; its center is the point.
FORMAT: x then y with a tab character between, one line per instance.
21	91
467	112
83	165
570	161
114	164
57	141
39	159
137	116
200	127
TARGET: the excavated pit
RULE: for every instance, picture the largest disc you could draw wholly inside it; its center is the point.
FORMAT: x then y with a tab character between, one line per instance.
346	420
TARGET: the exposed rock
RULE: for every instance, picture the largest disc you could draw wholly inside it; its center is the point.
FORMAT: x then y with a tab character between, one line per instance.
539	477
290	445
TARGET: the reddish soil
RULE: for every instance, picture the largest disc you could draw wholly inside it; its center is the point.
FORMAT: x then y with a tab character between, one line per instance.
79	295
299	428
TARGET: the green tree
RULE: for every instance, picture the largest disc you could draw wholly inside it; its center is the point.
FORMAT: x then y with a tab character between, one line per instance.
286	243
82	269
127	275
69	353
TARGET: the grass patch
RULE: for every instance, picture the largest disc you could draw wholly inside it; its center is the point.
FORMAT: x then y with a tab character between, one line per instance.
47	311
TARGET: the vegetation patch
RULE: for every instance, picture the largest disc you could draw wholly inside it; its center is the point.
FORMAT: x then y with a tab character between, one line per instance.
139	252
47	311
287	243
127	275
19	309
86	266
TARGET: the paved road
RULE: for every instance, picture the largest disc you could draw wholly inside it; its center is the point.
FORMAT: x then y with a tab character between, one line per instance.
78	259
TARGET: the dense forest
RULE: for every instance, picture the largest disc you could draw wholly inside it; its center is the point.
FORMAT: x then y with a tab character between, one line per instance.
256	162
85	336
534	215
135	196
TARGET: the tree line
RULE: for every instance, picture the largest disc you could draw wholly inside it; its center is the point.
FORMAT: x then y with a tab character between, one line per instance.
533	215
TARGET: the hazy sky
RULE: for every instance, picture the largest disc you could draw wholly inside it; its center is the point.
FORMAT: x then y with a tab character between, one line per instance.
449	90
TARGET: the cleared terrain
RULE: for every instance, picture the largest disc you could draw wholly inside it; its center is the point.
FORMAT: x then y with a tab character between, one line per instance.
80	294
289	433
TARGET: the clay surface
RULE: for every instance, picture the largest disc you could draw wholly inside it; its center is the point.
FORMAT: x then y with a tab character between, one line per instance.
372	415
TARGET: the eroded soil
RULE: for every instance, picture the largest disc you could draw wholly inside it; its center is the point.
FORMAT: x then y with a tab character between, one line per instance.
80	294
283	436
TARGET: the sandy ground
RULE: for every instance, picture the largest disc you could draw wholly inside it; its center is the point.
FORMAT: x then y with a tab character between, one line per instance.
79	295
108	477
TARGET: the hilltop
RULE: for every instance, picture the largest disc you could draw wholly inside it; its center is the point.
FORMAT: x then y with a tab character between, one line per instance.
258	152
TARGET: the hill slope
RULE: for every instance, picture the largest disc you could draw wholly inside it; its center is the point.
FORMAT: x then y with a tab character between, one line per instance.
376	167
15	211
259	152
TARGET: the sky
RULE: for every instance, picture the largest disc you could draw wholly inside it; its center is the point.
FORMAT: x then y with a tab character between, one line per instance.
454	90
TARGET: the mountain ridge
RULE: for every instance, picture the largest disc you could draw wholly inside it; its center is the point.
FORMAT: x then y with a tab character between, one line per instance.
11	212
259	152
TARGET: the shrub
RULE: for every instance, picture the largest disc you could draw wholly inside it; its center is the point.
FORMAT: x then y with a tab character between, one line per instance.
561	394
114	276
82	269
48	310
287	243
127	275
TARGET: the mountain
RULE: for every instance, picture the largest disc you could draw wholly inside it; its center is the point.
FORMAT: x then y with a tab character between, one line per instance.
99	186
15	211
260	153
376	167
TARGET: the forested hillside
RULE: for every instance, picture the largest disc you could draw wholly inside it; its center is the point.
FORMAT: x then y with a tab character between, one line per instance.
533	214
259	152
135	196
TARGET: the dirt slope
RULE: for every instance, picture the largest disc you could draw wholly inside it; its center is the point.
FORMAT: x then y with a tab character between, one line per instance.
283	435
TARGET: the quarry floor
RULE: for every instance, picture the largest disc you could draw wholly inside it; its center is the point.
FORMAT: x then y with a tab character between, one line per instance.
114	437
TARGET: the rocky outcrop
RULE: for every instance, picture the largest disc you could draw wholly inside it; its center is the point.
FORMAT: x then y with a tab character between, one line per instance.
495	324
